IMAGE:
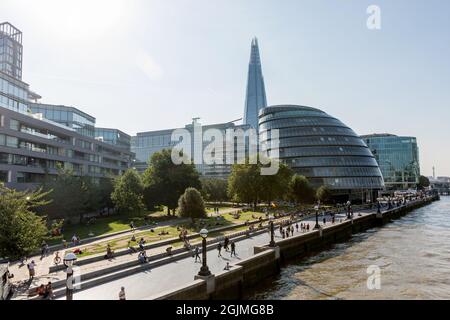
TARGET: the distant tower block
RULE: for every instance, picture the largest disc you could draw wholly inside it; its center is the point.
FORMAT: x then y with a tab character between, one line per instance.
434	172
255	98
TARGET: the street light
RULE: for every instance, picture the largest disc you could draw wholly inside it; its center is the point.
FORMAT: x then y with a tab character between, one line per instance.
204	270
317	216
69	260
272	233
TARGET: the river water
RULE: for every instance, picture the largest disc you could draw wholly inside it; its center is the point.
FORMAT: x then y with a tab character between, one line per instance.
412	254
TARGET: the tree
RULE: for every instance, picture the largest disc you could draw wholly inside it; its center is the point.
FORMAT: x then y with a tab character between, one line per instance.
105	189
323	194
128	192
300	190
215	189
164	181
247	184
21	230
424	182
275	187
68	195
191	205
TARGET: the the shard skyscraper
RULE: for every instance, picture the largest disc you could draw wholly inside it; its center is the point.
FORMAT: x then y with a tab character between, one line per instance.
255	98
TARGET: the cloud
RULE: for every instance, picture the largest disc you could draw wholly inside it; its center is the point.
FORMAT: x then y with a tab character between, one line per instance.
149	66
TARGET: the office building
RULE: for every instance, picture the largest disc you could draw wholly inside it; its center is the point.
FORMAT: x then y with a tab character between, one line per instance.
324	150
255	97
398	159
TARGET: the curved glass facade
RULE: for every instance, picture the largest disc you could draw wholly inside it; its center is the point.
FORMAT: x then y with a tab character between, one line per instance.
321	148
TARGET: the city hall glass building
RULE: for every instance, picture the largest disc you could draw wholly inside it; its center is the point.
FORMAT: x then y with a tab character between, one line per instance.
398	159
323	149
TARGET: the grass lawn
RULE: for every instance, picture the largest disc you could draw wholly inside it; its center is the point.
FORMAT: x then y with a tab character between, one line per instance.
172	232
107	224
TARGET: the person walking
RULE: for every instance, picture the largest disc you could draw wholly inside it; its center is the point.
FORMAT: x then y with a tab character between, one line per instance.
296	227
233	249
122	294
219	249
197	254
31	269
226	242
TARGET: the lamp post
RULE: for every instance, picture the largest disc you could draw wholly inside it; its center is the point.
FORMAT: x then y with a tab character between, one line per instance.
317	215
69	260
204	270
272	233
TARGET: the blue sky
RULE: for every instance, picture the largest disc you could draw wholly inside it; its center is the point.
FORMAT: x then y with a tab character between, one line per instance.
148	65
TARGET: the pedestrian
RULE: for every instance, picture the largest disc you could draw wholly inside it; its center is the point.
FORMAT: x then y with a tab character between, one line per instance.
141	244
132	226
307	227
324	220
197	254
219	249
226	242
31	269
48	291
233	248
296	227
122	294
283	235
292	230
227	266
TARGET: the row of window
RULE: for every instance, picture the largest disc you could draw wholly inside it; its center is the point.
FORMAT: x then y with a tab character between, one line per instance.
296	113
300	122
331	161
313	131
339	172
320	141
12	104
349	183
324	151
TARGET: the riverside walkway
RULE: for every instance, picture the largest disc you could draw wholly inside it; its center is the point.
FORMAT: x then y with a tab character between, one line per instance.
144	285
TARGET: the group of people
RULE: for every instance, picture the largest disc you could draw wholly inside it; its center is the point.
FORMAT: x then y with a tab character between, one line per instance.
228	246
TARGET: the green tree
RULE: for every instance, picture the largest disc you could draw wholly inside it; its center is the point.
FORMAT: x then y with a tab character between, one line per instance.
68	195
215	189
105	189
300	190
191	205
276	187
128	191
164	181
424	182
323	194
21	230
247	184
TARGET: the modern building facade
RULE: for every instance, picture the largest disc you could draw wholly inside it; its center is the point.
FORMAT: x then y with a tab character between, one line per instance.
71	117
398	159
37	139
255	97
145	144
11	50
113	137
324	150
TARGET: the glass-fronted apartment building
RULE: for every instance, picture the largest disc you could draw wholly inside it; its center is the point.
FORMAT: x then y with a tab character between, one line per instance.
323	149
113	137
70	117
32	146
398	159
145	144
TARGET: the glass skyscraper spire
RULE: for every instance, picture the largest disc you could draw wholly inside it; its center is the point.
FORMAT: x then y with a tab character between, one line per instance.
255	98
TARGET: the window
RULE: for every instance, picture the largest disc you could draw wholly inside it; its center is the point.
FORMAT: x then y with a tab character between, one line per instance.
14	124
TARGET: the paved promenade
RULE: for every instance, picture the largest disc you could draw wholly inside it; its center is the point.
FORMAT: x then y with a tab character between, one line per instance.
145	284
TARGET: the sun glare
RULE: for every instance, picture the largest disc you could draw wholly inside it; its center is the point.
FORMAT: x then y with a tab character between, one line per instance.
81	18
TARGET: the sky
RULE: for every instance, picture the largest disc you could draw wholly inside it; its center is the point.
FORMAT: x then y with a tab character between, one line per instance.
142	65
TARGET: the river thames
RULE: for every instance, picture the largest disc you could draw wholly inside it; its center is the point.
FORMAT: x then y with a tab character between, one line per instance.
412	253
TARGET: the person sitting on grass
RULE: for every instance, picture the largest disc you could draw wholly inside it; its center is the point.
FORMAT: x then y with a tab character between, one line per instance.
131	248
109	252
